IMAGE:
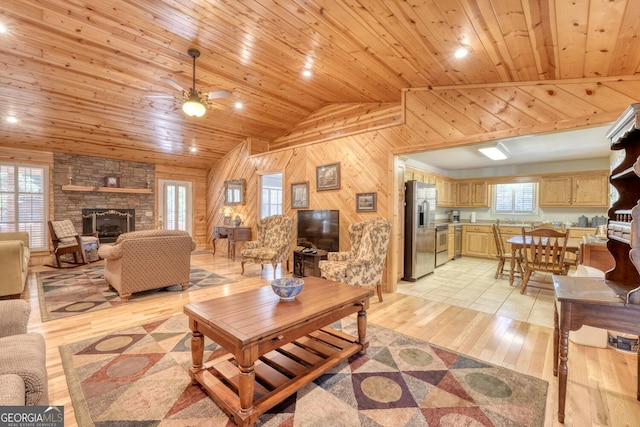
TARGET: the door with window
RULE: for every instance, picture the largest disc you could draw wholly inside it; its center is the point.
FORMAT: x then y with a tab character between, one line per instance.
270	194
176	205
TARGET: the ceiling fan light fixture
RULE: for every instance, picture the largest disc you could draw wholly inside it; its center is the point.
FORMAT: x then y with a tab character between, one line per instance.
193	106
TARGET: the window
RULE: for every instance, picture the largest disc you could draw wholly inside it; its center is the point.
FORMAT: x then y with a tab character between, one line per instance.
518	198
23	202
271	195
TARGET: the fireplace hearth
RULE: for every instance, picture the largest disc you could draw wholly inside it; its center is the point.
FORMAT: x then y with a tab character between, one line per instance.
108	223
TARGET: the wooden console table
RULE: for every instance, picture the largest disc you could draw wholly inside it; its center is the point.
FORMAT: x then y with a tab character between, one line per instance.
232	234
588	301
284	345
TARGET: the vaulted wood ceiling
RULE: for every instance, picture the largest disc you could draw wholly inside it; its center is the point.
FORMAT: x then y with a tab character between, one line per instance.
81	76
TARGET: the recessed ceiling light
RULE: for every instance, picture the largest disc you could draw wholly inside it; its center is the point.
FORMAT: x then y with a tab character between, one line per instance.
307	72
193	149
238	105
499	152
462	51
3	28
12	119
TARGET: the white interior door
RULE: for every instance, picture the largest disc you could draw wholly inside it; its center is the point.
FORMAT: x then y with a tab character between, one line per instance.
176	205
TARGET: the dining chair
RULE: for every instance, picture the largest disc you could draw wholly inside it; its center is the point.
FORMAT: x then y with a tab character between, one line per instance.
543	251
503	255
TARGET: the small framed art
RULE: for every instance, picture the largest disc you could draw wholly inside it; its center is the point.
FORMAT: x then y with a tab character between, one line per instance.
365	202
300	195
328	177
111	181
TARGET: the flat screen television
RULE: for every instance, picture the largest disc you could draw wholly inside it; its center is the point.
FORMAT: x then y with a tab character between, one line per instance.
319	229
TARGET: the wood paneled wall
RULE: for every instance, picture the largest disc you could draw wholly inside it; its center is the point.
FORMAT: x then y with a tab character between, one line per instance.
437	117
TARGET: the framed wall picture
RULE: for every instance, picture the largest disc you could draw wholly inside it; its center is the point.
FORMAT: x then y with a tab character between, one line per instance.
365	202
300	195
111	181
328	177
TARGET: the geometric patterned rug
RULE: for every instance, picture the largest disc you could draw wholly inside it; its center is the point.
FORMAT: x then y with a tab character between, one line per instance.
73	291
139	377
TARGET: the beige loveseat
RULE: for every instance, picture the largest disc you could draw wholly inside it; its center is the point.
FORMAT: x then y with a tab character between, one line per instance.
23	371
14	262
151	259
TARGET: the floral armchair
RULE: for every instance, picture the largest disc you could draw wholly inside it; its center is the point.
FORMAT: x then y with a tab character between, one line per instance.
273	244
364	263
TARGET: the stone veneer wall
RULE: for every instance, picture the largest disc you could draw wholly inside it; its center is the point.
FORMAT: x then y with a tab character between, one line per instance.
91	171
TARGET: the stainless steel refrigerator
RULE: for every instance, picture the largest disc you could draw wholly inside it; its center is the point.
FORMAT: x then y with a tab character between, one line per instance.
419	230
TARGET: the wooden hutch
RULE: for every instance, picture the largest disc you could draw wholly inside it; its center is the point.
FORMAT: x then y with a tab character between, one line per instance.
625	178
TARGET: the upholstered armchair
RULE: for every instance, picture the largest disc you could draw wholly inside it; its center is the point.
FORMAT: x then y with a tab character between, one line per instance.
273	244
149	259
14	262
364	263
66	240
23	372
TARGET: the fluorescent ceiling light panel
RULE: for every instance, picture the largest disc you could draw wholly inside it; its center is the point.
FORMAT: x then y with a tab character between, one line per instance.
499	152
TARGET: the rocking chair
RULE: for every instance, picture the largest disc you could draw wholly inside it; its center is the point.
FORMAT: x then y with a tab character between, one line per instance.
66	240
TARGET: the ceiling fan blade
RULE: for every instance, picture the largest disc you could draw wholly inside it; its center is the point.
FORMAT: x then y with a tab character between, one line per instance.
171	83
159	96
219	94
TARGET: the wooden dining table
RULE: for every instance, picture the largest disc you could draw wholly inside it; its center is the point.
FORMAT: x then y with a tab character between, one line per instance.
573	246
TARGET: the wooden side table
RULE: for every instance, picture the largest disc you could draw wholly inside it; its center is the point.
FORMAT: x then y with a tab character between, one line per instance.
588	301
232	234
307	263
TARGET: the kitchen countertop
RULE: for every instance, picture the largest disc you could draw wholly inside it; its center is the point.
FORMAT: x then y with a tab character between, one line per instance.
506	224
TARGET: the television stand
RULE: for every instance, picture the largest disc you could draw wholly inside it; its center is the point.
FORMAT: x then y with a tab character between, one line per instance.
307	263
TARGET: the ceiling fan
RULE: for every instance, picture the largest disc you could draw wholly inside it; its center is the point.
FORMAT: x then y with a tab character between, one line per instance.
194	102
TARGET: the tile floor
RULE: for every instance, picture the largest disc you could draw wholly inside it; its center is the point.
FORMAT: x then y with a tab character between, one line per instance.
469	282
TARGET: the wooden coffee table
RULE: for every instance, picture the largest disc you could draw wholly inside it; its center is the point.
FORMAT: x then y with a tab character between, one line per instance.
284	345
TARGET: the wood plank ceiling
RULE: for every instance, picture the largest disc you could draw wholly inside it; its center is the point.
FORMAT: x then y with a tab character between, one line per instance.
81	75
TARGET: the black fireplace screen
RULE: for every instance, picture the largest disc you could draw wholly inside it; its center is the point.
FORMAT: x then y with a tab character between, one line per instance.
108	223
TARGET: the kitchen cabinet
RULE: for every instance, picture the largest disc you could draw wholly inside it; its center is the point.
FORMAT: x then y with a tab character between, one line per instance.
419	175
474	193
579	233
446	192
477	240
582	189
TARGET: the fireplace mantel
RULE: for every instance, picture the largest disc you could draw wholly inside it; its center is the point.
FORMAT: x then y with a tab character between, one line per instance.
88	188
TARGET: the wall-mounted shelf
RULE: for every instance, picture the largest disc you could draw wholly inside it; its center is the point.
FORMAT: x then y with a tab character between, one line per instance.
88	188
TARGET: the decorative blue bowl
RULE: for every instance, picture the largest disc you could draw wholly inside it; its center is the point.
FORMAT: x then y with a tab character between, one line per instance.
287	287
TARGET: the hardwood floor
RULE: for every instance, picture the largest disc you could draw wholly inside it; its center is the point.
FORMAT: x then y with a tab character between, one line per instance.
461	307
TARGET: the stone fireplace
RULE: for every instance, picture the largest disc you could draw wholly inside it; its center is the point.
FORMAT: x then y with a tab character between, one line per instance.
108	223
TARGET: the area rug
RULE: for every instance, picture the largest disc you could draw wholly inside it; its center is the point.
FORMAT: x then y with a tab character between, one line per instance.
139	377
74	291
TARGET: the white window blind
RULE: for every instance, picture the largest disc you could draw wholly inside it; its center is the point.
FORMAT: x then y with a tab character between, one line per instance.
517	198
23	202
